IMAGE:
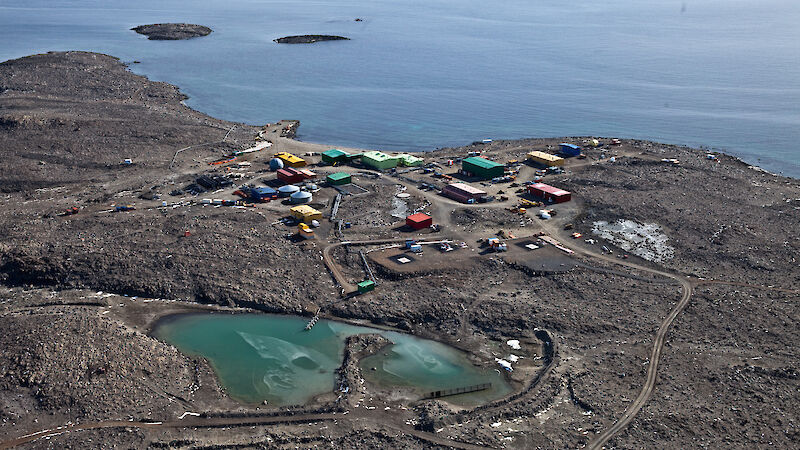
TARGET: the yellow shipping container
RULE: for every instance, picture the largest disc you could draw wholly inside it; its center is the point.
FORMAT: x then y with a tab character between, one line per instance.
545	159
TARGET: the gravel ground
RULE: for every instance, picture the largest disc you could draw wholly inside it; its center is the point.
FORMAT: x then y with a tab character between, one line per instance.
728	372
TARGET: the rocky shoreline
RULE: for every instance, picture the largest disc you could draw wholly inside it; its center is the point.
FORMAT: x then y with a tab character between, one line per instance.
730	356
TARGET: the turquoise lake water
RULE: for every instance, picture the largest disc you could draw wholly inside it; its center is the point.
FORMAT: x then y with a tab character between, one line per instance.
423	74
260	357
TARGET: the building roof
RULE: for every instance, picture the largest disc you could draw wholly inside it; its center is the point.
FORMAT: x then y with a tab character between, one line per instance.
545	156
288	172
377	156
334	153
288	157
564	144
482	162
366	283
339	176
549	189
464	187
265	190
304	210
418	217
409	158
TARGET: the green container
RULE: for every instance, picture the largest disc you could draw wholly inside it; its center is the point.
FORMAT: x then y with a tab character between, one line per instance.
366	286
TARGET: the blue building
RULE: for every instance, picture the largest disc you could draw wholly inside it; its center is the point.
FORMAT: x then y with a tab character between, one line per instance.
569	149
263	193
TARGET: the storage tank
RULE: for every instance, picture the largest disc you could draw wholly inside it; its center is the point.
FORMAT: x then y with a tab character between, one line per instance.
300	197
288	190
275	164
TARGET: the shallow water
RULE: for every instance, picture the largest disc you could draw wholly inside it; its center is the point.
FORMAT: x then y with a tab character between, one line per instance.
260	357
418	75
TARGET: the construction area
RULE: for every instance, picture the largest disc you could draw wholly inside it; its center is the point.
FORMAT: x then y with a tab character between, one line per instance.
632	294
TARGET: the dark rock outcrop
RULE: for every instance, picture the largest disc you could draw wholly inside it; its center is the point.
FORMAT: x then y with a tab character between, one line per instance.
309	39
172	31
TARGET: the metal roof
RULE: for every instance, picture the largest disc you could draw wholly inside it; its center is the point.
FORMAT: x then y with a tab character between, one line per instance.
545	156
377	156
418	217
464	187
549	189
482	162
334	153
339	176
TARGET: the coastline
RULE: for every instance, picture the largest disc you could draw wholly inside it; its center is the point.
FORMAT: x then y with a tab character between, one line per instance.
236	258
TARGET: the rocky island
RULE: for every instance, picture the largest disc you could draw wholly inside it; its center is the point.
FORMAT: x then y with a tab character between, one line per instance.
172	31
309	39
665	256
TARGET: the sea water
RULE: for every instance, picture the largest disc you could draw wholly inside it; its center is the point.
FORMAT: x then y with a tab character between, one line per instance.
424	74
260	357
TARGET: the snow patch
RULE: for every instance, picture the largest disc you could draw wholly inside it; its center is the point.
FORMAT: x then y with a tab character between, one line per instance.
645	240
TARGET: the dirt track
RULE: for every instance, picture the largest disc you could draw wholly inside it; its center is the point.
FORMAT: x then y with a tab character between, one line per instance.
615	364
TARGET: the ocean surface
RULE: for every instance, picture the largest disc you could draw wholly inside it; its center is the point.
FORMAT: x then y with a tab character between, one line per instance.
424	74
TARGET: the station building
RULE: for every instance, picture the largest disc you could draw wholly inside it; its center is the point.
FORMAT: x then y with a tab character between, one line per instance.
334	156
338	178
482	167
407	160
545	159
419	221
549	193
379	160
305	213
569	149
462	192
290	160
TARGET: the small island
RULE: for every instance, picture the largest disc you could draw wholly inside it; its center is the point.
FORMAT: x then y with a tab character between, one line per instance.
172	31
309	39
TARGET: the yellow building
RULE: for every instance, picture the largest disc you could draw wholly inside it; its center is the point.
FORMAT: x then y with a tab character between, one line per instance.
305	213
289	160
545	159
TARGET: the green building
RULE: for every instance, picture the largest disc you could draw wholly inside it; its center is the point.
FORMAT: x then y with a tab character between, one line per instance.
334	156
338	178
366	286
409	161
482	167
378	160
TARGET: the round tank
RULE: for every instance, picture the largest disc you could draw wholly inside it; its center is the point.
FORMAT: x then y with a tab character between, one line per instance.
301	197
275	164
286	191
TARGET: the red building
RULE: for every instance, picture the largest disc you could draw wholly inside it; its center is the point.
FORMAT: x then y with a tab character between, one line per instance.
290	175
462	192
549	193
419	221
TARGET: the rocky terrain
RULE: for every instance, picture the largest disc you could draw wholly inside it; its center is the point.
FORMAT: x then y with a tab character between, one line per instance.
68	122
172	31
309	39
